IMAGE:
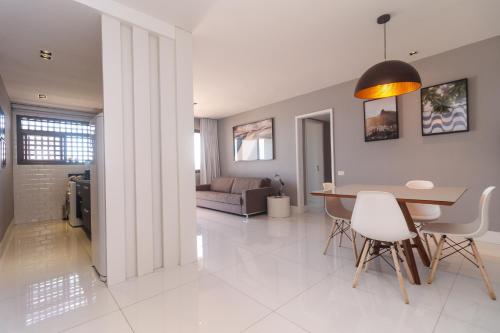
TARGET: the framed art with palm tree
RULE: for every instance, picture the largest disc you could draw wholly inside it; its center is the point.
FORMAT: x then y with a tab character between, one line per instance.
445	108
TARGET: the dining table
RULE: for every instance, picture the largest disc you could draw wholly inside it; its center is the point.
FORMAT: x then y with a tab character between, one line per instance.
443	196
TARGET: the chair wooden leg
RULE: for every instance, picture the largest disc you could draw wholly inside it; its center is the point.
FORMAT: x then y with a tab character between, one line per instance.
332	232
358	260
435	239
435	260
426	240
341	232
354	248
484	274
360	265
405	264
368	255
400	276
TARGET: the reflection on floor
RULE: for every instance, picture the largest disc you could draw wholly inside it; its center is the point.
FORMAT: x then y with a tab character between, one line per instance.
266	275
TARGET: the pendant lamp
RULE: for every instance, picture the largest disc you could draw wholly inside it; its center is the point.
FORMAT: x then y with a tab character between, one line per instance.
389	77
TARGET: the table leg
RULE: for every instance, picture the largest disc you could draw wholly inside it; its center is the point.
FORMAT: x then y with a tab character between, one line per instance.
416	240
410	259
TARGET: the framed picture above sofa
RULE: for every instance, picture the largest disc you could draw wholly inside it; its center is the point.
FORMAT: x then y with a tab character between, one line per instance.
444	108
254	141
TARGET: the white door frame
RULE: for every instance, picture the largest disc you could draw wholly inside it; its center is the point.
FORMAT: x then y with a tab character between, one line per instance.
299	153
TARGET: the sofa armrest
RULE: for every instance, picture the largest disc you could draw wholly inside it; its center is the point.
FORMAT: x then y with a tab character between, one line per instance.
204	187
255	200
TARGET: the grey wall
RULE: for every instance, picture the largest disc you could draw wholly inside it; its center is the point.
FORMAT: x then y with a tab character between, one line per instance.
6	177
464	159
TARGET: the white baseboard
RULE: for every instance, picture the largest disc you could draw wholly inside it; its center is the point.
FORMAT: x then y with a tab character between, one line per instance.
490	237
297	210
6	238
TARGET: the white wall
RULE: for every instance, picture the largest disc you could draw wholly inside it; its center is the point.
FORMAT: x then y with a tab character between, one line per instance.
148	116
469	159
6	178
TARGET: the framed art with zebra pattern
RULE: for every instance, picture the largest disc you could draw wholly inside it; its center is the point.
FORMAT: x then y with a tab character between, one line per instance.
444	108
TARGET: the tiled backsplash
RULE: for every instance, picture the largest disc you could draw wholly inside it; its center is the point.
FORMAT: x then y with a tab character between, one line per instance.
39	191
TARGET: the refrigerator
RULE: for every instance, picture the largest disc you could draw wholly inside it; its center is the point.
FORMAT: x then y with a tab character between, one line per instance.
98	199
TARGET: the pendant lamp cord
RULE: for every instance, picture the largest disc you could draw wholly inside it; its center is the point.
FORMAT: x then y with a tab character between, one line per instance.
385	43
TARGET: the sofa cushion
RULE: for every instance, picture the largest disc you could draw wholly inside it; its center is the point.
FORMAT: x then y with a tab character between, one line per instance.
243	184
230	198
222	184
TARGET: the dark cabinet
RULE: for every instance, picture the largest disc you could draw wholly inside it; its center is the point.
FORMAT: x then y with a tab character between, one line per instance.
83	204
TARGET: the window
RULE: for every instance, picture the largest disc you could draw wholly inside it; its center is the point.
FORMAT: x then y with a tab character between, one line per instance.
53	141
197	151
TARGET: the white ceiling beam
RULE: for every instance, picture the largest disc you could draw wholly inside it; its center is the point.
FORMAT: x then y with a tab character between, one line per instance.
132	16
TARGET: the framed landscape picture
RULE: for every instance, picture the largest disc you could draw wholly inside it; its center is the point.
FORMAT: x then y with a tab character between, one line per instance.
254	141
444	108
381	119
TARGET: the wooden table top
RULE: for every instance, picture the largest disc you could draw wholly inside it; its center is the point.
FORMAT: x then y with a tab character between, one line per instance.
445	196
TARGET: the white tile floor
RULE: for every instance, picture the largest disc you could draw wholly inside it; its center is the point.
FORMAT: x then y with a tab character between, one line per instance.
266	275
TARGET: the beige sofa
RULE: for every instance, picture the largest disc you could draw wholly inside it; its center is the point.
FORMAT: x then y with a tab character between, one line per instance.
237	195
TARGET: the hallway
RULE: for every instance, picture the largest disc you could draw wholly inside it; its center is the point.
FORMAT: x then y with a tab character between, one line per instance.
46	280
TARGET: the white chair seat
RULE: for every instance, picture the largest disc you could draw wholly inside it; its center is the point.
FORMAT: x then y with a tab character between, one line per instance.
341	223
336	209
344	215
378	217
469	231
423	218
453	229
423	212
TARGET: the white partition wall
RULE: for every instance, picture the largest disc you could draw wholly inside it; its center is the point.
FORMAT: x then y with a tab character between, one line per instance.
148	116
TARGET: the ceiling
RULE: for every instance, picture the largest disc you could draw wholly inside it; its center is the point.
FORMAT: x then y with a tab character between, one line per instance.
250	53
247	53
72	32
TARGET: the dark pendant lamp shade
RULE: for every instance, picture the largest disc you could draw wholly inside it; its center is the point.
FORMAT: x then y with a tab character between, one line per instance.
387	78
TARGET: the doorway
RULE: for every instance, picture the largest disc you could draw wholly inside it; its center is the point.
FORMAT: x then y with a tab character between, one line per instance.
315	155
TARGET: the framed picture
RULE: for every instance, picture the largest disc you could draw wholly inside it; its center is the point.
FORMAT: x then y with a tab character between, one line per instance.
254	141
381	119
3	144
444	108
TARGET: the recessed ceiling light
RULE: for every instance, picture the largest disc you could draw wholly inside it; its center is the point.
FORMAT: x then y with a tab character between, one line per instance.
46	55
413	52
42	96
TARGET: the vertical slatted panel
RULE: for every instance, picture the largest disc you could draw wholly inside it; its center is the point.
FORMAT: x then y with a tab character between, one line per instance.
150	197
129	156
169	152
185	141
143	178
113	129
155	149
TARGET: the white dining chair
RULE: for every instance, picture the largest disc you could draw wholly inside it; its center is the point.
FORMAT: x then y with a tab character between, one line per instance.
378	217
341	223
423	213
469	231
